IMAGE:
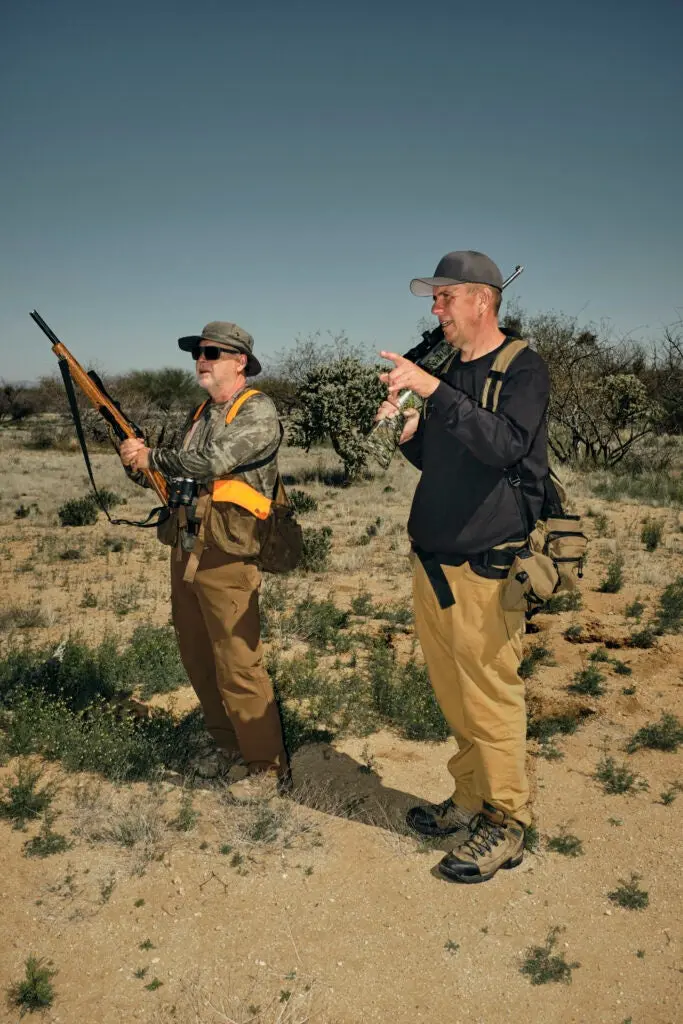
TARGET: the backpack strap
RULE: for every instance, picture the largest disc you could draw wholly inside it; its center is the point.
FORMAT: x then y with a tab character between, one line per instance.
494	379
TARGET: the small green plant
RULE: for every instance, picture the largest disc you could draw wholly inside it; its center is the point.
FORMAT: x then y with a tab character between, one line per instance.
531	838
140	972
643	638
139	903
573	632
23	801
23	617
629	895
599	654
154	985
89	599
316	548
614	580
35	990
302	502
362	604
110	499
538	655
78	511
601	525
542	728
146	945
318	622
570	602
125	599
666	734
47	842
22	512
542	966
621	668
588	681
651	533
669	611
566	844
187	816
616	778
451	947
634	610
628	691
70	555
667	796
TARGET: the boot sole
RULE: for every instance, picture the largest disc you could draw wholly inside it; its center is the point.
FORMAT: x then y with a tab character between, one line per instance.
513	862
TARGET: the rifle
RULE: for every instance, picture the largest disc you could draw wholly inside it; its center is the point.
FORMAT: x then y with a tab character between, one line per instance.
430	354
94	390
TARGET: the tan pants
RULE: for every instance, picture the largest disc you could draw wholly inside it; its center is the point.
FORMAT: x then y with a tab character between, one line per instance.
218	625
472	651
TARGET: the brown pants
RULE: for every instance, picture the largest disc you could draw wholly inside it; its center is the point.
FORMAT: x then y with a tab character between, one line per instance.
473	650
218	625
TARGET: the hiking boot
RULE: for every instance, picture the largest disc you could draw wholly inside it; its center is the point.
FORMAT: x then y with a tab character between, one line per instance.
495	841
436	820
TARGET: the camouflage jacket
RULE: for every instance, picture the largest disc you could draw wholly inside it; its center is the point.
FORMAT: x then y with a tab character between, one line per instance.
213	449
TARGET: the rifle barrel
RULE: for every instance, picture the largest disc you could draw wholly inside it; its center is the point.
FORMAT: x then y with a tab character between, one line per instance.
37	318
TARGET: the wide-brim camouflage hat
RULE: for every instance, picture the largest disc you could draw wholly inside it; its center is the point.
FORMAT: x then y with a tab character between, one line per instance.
466	267
228	336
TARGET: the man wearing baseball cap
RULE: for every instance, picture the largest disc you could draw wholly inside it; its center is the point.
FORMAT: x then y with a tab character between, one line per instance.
464	507
228	458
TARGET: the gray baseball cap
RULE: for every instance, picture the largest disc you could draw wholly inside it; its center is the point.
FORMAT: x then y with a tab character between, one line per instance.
228	336
466	267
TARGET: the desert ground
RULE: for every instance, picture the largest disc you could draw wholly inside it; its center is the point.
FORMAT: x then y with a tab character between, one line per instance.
170	903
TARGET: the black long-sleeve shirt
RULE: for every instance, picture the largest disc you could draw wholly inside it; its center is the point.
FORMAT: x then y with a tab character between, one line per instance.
464	504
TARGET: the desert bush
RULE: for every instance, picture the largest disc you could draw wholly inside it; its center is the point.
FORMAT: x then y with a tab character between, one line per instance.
23	617
302	502
570	602
542	966
616	778
22	800
629	894
16	402
47	843
588	681
614	580
165	389
651	533
73	672
667	734
151	662
538	655
35	991
316	549
318	622
566	844
544	727
78	511
338	401
403	697
669	609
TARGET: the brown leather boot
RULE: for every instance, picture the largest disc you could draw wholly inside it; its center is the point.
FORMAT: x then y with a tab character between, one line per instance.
495	841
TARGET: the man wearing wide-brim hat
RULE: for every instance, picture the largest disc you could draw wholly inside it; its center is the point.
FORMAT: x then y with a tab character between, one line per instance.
229	456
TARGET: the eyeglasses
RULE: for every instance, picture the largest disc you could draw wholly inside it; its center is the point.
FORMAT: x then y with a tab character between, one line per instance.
211	352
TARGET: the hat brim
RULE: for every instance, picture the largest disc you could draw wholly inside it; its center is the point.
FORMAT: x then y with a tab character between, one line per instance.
422	286
190	341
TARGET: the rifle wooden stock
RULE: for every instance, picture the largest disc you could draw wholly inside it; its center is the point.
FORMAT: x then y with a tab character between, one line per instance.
94	391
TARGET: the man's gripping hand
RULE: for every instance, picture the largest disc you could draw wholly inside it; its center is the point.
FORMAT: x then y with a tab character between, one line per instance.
407	375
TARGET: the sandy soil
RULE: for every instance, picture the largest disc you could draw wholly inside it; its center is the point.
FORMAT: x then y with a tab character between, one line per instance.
341	918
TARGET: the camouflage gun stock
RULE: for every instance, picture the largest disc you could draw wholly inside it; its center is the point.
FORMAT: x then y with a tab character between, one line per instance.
430	354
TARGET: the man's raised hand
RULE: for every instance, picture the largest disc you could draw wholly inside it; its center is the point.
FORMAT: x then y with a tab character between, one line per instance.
407	375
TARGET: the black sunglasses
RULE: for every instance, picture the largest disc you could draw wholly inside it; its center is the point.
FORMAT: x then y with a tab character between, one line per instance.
210	352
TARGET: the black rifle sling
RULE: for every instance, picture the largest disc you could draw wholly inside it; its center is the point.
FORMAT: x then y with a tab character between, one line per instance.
76	416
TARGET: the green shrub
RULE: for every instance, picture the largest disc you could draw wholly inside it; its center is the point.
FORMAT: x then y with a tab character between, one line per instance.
110	499
152	661
78	511
543	728
46	843
402	696
316	549
588	681
22	617
541	966
74	672
570	602
566	844
35	991
318	622
362	604
643	638
615	778
651	533
667	734
629	895
634	610
669	610
538	655
23	801
614	580
302	502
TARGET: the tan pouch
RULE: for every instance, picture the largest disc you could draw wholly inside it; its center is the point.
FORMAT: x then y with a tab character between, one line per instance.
532	580
233	530
566	544
167	530
281	540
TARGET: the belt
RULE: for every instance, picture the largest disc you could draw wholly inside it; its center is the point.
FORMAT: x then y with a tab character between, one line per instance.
494	564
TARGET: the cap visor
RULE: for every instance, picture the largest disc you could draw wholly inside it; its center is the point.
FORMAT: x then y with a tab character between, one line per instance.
422	286
253	367
188	343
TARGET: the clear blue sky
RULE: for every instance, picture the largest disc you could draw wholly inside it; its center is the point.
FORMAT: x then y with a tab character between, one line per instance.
290	166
